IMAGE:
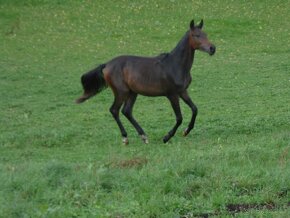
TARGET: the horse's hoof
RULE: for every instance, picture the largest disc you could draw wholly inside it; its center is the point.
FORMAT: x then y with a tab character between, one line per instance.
125	141
166	139
144	139
185	132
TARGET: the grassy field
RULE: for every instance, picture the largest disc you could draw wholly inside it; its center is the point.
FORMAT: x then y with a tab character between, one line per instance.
59	159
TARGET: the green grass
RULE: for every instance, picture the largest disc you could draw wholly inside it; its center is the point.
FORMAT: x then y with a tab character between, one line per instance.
58	159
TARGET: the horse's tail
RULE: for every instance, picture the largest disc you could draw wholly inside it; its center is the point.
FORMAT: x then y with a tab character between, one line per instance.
93	82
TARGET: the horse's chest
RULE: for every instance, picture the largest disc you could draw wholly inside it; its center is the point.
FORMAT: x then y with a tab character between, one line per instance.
182	83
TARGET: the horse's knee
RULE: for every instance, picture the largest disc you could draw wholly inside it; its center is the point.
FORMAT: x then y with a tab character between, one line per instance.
179	120
125	112
194	110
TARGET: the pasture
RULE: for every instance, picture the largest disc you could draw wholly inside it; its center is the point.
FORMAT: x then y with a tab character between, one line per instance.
59	159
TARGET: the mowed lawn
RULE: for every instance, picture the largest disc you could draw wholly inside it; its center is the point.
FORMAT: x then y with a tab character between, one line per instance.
59	159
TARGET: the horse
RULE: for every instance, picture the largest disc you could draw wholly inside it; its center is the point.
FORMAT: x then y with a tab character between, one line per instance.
167	74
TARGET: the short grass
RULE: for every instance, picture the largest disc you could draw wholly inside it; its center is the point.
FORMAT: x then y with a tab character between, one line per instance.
58	159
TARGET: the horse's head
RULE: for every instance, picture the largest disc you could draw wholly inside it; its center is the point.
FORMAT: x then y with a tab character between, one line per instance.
198	39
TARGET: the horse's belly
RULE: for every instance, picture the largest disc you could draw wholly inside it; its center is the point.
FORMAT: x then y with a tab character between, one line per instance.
148	90
158	87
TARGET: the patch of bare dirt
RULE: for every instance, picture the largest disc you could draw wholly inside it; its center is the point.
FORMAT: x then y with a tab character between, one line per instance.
130	163
238	208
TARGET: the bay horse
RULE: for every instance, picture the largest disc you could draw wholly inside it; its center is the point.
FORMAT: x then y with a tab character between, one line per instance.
167	74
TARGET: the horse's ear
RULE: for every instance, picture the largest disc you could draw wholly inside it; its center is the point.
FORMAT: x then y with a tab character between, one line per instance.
200	25
191	25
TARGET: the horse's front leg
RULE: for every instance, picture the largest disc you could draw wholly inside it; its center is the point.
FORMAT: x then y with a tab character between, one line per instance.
185	97
174	100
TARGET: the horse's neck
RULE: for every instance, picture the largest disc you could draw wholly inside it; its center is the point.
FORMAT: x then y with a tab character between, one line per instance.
183	54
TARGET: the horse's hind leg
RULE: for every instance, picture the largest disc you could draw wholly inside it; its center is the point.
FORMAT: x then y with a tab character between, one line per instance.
185	97
174	100
127	111
115	108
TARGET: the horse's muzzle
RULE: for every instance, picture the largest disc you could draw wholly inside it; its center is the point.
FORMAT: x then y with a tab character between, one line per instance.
212	50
